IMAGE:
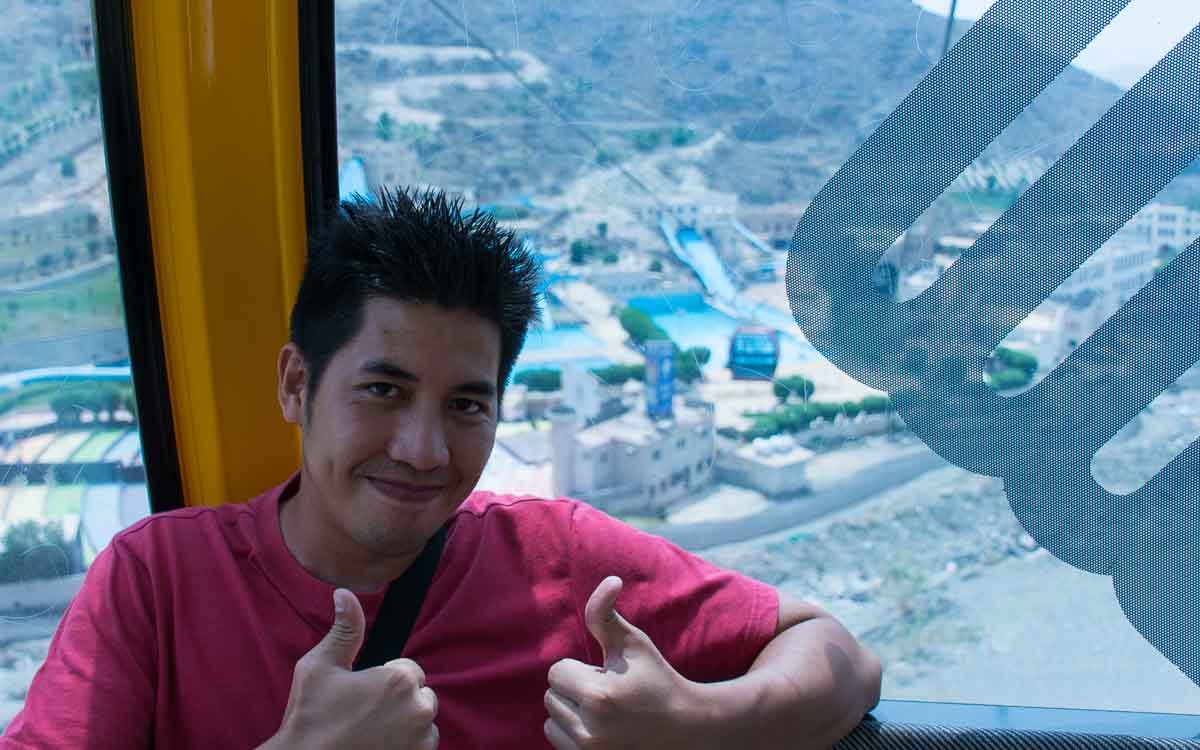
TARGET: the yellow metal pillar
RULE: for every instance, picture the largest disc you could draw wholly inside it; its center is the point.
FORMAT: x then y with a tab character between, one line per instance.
218	93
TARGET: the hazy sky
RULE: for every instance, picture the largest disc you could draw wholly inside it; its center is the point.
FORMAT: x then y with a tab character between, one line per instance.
1135	40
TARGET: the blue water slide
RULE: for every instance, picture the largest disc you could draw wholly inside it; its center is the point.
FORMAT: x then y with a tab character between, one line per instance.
352	180
692	249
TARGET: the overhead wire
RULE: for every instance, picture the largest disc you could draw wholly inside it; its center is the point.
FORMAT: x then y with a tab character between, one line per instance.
479	42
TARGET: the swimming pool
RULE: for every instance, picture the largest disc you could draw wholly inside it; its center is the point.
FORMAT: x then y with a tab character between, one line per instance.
563	344
690	321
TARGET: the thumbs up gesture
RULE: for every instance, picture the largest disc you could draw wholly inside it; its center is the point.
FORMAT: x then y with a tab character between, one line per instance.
635	699
331	706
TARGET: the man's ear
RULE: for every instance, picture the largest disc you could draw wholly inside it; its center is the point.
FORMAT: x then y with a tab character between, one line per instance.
293	383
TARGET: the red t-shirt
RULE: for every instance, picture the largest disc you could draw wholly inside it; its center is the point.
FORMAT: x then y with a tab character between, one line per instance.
189	624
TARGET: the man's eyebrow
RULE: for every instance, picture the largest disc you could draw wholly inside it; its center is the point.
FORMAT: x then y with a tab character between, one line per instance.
389	370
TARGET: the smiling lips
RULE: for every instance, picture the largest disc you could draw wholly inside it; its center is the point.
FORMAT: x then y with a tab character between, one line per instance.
405	492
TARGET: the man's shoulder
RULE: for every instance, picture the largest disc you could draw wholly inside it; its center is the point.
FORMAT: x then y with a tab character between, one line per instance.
483	505
490	511
175	531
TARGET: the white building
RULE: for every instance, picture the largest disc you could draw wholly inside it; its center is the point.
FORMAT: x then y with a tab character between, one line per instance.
623	285
631	463
1159	224
775	466
1121	267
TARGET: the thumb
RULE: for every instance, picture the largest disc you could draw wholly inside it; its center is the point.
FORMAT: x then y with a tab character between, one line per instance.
606	624
341	644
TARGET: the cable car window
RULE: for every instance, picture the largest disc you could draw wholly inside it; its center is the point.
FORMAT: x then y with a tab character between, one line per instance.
71	470
684	141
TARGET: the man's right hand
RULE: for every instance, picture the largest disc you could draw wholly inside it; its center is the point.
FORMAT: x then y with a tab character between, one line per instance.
331	706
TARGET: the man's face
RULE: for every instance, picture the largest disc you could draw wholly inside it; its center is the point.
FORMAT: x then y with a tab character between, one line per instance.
402	423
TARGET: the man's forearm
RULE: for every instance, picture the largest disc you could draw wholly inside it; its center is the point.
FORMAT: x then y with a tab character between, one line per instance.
807	689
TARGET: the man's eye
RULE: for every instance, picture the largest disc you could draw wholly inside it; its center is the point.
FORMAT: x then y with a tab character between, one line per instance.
467	405
383	390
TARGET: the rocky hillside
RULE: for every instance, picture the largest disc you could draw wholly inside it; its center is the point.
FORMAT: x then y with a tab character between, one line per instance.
796	84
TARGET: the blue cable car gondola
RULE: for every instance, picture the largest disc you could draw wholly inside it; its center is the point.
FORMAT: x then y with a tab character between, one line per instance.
754	353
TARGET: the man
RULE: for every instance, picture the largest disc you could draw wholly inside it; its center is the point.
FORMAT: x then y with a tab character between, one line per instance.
546	623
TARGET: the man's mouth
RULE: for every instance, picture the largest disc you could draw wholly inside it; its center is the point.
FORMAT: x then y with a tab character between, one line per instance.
404	491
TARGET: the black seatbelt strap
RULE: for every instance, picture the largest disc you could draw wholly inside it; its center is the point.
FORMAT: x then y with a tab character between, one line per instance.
401	604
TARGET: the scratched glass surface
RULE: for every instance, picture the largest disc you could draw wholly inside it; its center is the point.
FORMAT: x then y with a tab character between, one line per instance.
658	156
71	473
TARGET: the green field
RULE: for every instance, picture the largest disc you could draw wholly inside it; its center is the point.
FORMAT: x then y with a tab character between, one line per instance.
62	500
64	446
97	445
34	397
88	304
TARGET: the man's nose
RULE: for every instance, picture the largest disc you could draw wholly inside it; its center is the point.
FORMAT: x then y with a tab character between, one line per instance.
419	439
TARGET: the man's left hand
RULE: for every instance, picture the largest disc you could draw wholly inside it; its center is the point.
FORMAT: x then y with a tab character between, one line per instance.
636	699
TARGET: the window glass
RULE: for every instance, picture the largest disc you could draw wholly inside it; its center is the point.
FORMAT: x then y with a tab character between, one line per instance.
71	471
658	156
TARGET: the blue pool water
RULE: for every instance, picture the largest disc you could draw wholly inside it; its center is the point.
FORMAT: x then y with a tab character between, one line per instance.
564	338
556	347
690	321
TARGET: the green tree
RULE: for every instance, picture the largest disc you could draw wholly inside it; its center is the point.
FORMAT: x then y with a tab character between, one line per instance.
602	229
793	384
639	326
83	85
544	380
33	551
67	168
385	128
688	363
656	266
610	258
108	400
876	404
647	140
581	252
682	136
620	374
1006	379
1011	359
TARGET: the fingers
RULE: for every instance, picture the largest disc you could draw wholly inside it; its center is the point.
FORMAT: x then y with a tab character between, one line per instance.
564	713
407	667
570	678
341	644
559	739
601	606
428	698
430	740
606	625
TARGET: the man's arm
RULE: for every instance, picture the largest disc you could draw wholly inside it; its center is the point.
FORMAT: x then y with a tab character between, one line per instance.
97	686
808	688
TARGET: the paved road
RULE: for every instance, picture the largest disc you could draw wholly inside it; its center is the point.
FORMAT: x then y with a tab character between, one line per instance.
870	482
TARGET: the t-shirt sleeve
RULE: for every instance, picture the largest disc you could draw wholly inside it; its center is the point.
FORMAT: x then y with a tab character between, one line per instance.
96	688
709	623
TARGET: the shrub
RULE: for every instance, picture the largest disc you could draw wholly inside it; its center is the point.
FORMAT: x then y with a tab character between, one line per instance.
620	374
876	405
544	380
1010	359
31	551
689	362
639	326
1006	379
793	384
